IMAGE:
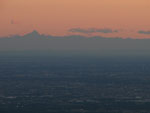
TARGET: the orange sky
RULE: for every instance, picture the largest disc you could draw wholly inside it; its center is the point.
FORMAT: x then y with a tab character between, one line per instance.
56	17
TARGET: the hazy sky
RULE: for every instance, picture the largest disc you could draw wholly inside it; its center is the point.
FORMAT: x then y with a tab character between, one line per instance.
56	17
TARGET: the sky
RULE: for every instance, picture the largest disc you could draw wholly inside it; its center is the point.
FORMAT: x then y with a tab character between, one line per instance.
122	18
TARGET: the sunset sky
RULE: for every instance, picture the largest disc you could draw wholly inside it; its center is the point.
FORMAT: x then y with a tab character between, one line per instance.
57	17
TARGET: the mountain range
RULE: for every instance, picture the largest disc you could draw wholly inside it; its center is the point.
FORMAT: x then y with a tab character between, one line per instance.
75	44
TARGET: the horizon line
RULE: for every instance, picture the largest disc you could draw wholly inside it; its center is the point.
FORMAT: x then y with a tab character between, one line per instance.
80	35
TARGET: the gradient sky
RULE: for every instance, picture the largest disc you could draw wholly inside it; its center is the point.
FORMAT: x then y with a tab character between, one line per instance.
56	17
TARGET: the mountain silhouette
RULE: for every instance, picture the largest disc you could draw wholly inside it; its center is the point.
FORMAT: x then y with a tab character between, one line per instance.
32	34
34	41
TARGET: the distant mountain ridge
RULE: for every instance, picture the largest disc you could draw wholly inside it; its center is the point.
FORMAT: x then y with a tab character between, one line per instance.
33	34
35	41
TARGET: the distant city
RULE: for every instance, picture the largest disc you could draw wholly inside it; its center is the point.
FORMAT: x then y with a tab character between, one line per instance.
46	84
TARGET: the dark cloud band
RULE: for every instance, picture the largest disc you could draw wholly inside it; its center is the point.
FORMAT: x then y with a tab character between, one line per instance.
92	30
144	32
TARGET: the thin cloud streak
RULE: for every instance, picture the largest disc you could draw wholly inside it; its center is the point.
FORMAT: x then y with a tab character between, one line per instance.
92	30
144	32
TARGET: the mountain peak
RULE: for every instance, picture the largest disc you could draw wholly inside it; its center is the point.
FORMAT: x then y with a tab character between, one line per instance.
34	33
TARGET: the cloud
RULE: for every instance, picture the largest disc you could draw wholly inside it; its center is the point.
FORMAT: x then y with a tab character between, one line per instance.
144	32
12	22
92	30
15	22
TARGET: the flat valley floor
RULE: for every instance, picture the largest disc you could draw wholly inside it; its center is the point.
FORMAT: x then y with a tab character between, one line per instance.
74	85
